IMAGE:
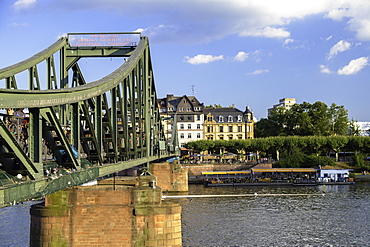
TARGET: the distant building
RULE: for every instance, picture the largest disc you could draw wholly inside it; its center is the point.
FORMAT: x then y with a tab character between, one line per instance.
228	123
285	103
184	111
364	128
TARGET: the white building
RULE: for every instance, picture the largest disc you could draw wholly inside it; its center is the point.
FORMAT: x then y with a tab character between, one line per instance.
364	128
187	113
285	103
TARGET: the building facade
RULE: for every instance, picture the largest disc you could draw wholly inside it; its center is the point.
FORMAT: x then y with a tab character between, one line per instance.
228	123
184	112
285	103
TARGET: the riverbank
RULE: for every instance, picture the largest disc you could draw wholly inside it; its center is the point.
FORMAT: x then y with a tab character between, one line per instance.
362	178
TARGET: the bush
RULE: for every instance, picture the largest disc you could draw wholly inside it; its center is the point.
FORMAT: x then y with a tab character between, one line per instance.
305	161
316	161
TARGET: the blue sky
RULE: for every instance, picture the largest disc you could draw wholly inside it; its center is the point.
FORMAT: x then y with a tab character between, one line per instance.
224	51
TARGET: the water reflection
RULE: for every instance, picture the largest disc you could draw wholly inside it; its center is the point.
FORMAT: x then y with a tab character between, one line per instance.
339	218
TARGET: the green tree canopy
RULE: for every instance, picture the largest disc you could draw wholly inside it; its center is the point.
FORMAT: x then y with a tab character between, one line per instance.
305	119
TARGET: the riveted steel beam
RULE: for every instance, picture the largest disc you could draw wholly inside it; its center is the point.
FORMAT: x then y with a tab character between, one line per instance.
112	123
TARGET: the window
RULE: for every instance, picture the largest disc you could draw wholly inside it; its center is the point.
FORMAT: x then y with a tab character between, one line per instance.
240	119
239	128
221	128
230	137
220	119
189	126
189	117
230	128
181	126
182	135
198	126
221	137
209	129
230	119
198	117
198	135
189	135
209	119
181	117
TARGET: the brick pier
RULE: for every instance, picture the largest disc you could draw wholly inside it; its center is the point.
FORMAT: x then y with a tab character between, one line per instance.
105	215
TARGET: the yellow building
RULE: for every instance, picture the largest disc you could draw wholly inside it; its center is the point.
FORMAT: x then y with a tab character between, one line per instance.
228	123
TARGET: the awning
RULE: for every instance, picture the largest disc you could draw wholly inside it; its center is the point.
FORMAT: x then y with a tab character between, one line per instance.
283	170
225	172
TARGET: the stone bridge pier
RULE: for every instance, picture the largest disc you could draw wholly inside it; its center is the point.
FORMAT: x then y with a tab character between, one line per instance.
106	215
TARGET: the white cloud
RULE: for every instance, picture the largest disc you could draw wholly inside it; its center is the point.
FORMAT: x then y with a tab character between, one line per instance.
268	32
206	20
201	59
341	46
324	69
259	71
241	56
287	41
23	4
357	14
15	24
354	66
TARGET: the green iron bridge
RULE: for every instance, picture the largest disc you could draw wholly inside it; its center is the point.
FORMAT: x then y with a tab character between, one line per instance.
63	131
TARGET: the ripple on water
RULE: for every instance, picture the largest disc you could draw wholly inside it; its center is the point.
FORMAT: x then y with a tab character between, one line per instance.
338	219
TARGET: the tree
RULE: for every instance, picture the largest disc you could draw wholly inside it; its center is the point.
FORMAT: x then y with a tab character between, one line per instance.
338	120
304	120
353	128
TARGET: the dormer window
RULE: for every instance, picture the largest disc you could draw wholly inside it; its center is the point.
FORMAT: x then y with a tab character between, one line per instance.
239	119
230	119
221	119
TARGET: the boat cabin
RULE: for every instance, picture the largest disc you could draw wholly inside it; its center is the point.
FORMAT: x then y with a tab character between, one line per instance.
333	175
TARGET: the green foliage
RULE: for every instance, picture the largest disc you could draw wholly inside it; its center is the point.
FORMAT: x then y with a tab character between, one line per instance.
316	161
358	160
213	106
290	158
294	151
353	128
304	120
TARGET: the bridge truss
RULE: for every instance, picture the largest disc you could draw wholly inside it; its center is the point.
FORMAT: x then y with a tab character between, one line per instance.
78	131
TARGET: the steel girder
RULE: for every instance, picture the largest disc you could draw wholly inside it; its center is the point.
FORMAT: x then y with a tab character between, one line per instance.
112	120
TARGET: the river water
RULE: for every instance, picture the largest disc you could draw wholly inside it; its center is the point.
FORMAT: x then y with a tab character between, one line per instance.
340	218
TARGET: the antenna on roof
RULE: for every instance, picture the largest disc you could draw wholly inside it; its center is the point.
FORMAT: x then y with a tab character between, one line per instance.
193	89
